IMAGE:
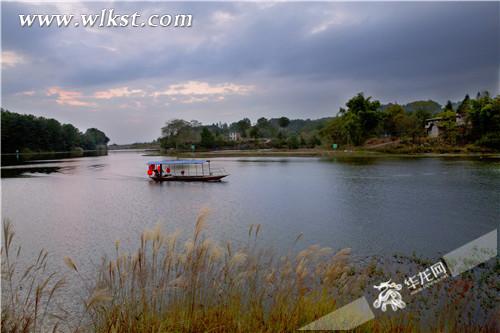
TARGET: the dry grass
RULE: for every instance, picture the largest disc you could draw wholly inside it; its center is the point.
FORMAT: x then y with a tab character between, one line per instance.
27	292
202	286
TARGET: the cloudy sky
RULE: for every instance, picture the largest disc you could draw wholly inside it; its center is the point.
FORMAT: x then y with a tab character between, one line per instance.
302	60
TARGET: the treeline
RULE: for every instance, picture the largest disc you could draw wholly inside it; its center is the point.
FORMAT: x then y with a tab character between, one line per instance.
265	133
470	121
28	133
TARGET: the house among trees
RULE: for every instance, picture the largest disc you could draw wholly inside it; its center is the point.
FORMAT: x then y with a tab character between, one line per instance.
435	126
234	136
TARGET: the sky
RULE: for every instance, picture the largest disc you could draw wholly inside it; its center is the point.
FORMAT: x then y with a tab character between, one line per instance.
243	59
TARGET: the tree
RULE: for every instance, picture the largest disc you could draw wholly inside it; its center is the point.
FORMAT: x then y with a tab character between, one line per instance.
393	119
314	141
177	133
27	132
242	126
293	142
449	126
265	128
356	123
254	132
464	106
173	127
484	117
262	122
71	137
367	112
352	129
207	138
93	138
448	106
283	122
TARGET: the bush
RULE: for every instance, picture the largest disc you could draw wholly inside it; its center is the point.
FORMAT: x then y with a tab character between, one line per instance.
490	140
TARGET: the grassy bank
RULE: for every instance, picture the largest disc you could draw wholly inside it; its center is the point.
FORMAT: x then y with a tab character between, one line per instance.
205	286
358	152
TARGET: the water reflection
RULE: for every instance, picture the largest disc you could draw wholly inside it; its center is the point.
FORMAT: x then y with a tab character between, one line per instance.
23	158
31	171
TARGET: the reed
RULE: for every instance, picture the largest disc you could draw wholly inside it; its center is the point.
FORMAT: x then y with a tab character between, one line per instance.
27	292
199	285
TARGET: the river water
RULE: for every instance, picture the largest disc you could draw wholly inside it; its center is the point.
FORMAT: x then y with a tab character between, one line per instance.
427	206
79	207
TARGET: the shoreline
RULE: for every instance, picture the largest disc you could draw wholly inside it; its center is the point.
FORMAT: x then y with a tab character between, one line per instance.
324	154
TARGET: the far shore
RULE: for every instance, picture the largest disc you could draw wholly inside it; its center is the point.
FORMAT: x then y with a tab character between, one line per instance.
324	153
318	153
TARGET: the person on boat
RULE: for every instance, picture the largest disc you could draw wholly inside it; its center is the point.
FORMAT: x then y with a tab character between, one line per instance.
160	170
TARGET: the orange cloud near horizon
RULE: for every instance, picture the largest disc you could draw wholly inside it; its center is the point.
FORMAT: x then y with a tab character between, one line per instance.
67	97
118	92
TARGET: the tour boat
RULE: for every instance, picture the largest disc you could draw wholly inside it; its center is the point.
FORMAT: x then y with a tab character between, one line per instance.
184	170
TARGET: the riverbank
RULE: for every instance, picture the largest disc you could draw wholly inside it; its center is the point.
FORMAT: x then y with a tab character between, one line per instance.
327	153
26	156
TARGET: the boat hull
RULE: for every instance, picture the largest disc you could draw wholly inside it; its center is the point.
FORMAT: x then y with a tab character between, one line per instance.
213	178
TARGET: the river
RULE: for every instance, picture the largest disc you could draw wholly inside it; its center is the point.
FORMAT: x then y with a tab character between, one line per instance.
78	207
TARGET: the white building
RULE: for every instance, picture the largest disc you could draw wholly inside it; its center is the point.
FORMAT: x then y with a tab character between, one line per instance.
433	127
234	136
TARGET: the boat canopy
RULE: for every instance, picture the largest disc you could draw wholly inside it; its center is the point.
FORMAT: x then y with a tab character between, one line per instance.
177	162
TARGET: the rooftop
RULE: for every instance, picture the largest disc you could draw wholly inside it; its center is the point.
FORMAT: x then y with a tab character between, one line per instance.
177	162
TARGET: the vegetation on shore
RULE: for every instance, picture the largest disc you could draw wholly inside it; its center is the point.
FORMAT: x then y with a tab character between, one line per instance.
471	125
203	286
30	134
472	121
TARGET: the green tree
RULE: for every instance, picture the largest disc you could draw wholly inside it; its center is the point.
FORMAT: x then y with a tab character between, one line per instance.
449	127
314	141
484	118
71	136
27	132
265	128
293	142
448	106
393	120
464	107
352	129
207	138
242	127
356	123
283	122
254	132
367	112
177	133
93	138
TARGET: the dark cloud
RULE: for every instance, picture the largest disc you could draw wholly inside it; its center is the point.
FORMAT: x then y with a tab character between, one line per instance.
303	59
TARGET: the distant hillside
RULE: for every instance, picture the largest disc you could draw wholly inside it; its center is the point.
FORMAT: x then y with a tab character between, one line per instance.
429	105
